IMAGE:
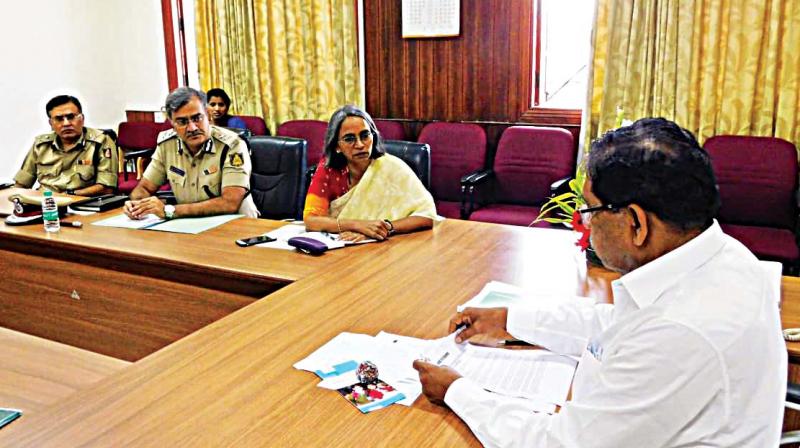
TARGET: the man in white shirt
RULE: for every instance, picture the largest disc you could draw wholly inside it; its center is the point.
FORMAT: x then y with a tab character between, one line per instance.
691	352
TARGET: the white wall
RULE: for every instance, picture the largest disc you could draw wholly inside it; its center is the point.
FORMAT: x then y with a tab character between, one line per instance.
107	53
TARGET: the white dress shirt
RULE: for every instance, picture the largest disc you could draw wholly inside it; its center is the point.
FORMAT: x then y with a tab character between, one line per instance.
690	354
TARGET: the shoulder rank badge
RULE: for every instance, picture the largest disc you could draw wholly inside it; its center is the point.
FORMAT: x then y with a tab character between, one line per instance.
236	159
107	153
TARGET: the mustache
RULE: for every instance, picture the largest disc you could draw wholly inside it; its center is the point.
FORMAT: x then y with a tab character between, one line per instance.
193	133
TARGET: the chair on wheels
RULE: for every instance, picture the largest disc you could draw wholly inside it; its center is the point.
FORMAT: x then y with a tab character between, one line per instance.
457	150
277	182
416	155
528	160
757	180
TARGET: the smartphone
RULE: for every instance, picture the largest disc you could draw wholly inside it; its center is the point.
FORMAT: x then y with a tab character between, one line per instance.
244	242
8	415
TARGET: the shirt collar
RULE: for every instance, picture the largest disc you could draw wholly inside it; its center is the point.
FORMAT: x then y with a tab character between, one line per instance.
646	283
81	142
208	147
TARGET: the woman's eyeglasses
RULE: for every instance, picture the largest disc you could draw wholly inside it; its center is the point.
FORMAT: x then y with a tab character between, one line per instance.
364	137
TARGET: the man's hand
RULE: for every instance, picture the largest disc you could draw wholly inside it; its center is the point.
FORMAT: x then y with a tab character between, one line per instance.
479	321
435	380
138	209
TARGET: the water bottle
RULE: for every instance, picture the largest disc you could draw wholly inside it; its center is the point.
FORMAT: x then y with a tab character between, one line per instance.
50	212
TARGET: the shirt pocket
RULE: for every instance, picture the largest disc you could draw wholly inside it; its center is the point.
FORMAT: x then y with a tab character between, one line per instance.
176	179
48	170
211	184
85	172
586	375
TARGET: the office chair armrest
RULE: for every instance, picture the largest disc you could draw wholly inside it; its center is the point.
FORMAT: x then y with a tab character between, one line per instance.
560	186
477	177
130	155
469	183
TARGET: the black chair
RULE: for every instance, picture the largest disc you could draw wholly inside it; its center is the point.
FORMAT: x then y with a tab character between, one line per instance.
277	182
416	155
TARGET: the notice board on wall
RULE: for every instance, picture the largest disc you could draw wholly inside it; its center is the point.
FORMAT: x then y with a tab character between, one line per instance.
431	18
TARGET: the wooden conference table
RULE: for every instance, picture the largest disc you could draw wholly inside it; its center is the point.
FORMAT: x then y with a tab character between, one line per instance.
224	377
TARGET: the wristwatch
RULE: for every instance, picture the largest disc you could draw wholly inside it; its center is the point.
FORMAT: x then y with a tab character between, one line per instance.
169	211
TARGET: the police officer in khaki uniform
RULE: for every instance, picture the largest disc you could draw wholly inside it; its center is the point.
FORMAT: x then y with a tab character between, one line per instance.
71	159
208	168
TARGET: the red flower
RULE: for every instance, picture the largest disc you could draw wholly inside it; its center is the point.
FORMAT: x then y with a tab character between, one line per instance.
577	225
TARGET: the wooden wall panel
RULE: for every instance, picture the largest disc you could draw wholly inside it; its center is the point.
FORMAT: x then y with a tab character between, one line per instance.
484	74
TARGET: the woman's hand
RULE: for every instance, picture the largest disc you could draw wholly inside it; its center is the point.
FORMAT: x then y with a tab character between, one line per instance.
375	229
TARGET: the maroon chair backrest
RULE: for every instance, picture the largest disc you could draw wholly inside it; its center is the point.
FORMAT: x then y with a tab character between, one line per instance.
456	149
757	178
528	160
312	131
134	135
256	125
391	130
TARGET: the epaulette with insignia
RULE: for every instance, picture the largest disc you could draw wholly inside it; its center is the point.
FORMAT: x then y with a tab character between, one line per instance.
166	135
45	138
225	136
95	135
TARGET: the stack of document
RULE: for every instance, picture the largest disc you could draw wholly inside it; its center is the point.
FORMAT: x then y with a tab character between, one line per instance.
540	377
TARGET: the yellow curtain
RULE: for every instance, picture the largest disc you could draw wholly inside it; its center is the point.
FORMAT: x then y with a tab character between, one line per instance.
280	59
713	66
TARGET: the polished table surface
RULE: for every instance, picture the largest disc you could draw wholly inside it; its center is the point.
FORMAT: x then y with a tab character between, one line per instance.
36	373
232	382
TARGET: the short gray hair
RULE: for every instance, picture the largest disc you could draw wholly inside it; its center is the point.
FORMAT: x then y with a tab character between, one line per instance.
181	97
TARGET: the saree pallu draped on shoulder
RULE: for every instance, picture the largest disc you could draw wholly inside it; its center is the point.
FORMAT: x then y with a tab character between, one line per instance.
388	190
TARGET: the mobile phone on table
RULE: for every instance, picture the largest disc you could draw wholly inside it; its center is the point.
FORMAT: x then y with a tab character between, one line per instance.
8	415
244	242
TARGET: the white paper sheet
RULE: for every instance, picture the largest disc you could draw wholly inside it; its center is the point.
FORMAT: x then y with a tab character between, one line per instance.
124	222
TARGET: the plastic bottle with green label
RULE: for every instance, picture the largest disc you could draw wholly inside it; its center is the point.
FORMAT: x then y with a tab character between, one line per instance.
50	212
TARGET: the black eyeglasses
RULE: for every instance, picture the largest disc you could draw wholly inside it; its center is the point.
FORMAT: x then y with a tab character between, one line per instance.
587	212
182	122
364	137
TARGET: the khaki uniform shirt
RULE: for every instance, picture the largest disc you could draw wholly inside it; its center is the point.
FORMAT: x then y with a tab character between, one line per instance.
202	176
92	161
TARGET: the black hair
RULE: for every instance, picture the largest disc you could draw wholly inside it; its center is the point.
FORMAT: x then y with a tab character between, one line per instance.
61	100
181	97
216	91
338	160
659	166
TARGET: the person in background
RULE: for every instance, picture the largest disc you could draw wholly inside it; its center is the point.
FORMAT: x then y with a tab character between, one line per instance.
207	167
72	159
359	191
690	353
219	104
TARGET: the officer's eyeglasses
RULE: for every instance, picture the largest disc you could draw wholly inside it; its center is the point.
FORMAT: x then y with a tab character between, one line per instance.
364	137
69	117
587	212
182	122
